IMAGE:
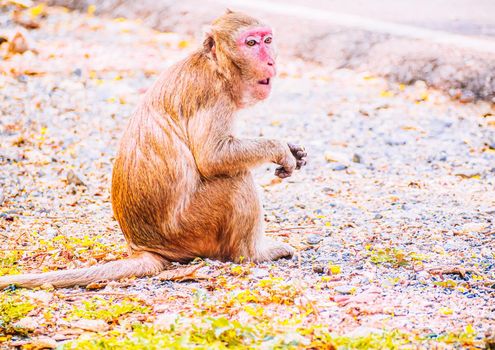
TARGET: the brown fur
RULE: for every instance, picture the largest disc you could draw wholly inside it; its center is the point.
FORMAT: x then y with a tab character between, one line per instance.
182	186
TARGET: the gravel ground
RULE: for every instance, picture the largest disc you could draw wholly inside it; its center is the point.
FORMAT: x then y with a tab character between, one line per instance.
392	218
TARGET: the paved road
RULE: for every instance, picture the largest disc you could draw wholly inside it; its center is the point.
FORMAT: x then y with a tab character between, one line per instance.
469	17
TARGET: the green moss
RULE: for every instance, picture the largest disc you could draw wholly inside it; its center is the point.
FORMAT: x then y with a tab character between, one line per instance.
385	340
465	338
395	257
222	333
8	262
211	333
109	310
12	308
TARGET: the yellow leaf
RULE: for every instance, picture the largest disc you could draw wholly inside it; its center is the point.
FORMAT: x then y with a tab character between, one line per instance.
446	311
91	10
37	10
334	269
47	315
183	44
400	255
386	93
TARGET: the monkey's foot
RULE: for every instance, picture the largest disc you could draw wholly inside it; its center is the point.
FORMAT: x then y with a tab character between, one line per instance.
269	249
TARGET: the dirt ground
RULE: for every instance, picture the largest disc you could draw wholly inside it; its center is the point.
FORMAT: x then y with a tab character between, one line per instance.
392	218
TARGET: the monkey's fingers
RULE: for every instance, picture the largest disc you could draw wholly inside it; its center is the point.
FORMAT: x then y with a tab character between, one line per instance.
282	173
297	151
300	163
300	154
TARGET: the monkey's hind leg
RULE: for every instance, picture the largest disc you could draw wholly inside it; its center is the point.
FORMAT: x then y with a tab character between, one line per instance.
228	211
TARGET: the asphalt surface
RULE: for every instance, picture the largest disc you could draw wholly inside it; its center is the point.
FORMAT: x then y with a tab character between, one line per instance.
448	45
472	18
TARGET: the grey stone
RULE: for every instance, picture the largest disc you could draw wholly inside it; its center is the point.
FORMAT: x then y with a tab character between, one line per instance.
345	289
338	167
313	239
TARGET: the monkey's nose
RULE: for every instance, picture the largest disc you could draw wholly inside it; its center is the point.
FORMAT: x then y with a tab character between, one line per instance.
271	63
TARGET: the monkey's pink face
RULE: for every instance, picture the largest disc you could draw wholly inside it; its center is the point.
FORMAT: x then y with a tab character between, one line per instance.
256	47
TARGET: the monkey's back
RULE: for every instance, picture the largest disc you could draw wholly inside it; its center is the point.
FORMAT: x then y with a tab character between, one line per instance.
153	172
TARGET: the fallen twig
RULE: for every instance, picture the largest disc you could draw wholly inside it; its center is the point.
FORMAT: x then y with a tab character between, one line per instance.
86	294
291	228
454	270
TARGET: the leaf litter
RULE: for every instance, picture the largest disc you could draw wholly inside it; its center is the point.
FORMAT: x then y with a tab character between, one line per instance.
392	219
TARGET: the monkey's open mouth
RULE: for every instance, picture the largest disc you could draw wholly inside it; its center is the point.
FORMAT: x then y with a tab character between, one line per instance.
264	81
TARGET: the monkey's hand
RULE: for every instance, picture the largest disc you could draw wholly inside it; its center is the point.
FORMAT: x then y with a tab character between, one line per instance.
287	164
299	153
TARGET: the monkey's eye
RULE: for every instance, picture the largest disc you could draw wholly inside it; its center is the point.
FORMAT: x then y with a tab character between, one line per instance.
251	42
268	40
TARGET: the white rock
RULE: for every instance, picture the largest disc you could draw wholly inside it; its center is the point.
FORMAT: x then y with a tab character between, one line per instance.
28	323
41	296
91	325
43	343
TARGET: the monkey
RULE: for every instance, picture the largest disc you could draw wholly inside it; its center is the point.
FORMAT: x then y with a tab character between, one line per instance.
182	185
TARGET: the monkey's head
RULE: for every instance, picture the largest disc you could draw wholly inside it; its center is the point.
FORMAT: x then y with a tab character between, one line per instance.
238	42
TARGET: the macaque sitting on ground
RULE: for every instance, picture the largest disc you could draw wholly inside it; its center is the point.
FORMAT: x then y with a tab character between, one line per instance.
182	186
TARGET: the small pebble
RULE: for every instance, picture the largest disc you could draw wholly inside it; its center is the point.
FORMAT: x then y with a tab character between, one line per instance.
77	72
345	289
259	273
313	239
73	179
486	253
467	96
356	158
318	268
338	167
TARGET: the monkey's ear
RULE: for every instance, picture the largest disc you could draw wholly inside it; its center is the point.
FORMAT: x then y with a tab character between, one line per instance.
228	11
209	44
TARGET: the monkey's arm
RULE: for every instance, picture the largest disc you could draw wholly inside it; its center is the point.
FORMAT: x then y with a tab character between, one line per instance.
229	155
217	152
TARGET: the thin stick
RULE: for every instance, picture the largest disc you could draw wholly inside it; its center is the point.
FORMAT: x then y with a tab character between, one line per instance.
291	228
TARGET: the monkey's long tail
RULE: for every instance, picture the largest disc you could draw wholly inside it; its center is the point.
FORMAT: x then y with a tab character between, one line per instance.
140	264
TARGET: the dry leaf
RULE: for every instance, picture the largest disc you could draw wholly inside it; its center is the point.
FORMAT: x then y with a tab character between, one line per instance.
91	325
72	178
36	344
18	44
181	274
96	285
